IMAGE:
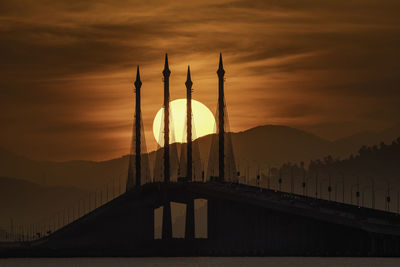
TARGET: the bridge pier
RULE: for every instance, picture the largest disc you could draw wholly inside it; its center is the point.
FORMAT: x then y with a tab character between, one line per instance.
167	221
189	226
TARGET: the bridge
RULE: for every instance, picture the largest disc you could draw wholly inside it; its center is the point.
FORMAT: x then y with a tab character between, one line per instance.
241	219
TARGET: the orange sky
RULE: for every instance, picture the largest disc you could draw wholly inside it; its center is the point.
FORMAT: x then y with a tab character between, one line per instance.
66	69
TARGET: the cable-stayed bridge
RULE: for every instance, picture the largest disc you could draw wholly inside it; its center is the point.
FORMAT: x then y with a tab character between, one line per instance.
240	219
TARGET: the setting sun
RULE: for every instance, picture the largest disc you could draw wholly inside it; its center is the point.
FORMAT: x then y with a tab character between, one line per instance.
203	121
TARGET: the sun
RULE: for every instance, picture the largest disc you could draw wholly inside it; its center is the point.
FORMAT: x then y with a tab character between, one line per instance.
203	121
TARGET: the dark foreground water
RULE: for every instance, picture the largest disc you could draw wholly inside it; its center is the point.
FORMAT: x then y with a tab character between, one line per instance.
202	261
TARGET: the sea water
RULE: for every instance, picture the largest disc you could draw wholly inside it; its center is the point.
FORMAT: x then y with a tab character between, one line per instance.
202	261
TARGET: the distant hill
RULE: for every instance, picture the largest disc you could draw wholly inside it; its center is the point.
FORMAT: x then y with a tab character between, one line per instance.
83	174
273	145
26	202
269	145
374	168
351	144
39	189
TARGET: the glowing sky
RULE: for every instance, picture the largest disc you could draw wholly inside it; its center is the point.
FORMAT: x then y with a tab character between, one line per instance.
331	67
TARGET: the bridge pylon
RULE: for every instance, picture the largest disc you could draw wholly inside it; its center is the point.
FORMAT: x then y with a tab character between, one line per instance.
138	168
221	163
166	222
189	227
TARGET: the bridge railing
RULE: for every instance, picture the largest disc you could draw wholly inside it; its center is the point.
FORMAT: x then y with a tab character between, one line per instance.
379	196
263	180
23	232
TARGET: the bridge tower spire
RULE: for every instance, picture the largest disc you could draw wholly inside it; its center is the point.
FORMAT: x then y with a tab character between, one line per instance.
166	73
221	122
138	115
189	227
135	161
221	163
166	223
189	90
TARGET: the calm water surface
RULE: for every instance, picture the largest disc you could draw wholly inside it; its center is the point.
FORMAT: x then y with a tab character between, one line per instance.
202	261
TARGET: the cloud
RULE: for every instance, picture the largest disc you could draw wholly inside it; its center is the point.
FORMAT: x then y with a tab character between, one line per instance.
66	68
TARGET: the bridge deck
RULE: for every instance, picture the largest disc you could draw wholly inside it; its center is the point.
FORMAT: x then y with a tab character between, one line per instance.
132	214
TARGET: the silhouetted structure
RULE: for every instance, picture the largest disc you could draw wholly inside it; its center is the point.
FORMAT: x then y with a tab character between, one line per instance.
166	224
221	153
221	124
138	85
189	84
241	219
189	229
138	165
166	74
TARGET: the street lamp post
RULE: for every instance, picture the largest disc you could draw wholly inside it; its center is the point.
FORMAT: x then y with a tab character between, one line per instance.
291	180
357	193
388	198
316	186
329	188
303	184
373	193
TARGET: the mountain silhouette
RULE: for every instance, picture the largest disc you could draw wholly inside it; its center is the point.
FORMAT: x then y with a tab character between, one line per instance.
273	145
259	147
32	190
79	173
349	145
26	202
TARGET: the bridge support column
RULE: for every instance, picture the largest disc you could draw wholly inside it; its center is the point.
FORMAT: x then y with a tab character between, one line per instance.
189	227
166	222
145	226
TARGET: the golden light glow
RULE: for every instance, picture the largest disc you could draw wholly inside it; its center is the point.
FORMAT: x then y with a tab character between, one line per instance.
203	121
